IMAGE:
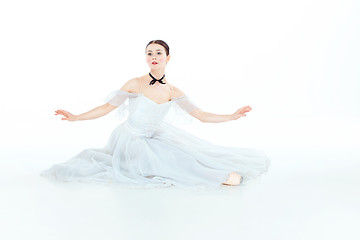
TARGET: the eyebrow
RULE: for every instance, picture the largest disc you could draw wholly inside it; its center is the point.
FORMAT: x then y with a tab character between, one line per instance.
156	50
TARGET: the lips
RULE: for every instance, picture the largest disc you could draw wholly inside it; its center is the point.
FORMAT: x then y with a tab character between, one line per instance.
154	63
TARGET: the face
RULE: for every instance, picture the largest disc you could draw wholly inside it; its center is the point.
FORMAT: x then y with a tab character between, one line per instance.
156	56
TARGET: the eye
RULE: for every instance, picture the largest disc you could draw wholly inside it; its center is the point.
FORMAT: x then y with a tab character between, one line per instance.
159	53
149	54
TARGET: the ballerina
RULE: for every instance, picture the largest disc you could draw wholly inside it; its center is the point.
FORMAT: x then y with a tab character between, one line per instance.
147	150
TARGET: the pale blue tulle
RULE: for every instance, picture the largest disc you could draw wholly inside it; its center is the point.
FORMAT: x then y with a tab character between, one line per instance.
147	150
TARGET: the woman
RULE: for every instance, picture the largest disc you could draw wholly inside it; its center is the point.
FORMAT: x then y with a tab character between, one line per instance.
146	150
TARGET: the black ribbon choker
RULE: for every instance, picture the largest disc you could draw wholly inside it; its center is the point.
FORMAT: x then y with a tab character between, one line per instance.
154	80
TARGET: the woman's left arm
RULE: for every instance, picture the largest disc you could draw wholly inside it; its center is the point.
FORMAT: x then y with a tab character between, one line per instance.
215	118
185	103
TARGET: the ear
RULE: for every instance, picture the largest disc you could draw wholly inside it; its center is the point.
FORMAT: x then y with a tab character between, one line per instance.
168	58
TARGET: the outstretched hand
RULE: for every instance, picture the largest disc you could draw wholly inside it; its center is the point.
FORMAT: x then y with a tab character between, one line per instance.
241	112
67	116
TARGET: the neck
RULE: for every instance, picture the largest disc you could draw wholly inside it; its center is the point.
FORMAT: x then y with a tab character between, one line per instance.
158	73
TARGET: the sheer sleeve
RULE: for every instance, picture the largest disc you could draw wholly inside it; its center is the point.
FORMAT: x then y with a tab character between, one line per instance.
120	98
185	103
180	111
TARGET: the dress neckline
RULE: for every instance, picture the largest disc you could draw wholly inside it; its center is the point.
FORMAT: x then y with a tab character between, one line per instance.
141	94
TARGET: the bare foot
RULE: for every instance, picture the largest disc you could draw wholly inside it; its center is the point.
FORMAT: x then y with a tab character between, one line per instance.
234	179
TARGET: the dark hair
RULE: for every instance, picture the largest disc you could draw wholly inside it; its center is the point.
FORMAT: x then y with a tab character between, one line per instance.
162	43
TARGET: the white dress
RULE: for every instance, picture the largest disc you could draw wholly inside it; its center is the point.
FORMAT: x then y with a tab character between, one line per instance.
147	150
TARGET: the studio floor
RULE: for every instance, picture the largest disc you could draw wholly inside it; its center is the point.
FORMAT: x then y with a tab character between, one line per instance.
308	193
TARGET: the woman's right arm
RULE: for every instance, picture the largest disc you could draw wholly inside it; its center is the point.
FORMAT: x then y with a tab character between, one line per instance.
96	112
92	114
99	111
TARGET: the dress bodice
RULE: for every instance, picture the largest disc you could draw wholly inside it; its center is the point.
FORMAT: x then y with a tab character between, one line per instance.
145	115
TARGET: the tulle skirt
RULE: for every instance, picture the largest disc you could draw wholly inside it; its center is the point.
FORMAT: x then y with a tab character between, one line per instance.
168	157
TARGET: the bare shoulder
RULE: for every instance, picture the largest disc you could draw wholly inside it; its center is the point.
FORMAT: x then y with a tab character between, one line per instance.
131	85
177	92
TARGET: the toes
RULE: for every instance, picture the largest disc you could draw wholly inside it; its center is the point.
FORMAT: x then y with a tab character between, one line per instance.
234	179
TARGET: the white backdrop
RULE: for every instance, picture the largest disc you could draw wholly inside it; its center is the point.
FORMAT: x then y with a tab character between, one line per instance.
296	63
